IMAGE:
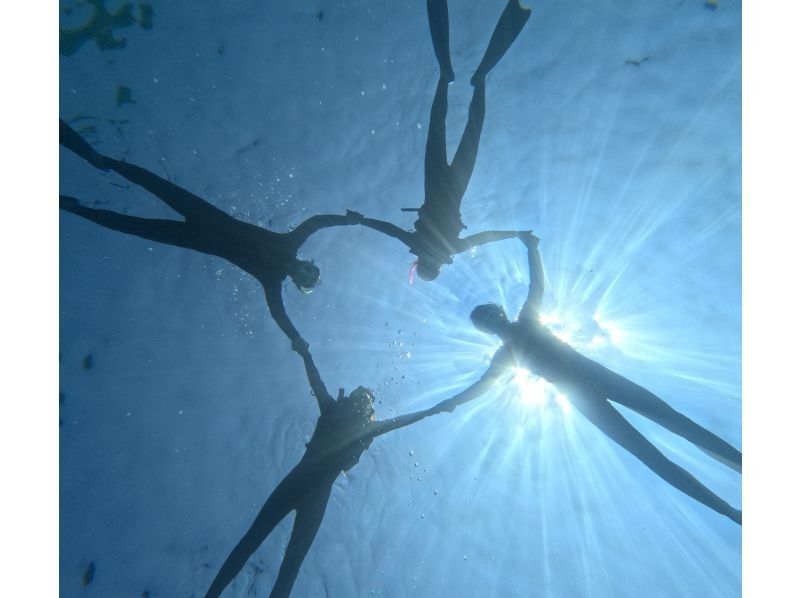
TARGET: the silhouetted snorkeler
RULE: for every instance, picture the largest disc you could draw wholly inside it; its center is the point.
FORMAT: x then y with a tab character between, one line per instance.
345	429
267	255
435	239
589	387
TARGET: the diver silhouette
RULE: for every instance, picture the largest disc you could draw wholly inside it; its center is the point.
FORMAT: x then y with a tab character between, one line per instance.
589	387
435	239
344	430
267	255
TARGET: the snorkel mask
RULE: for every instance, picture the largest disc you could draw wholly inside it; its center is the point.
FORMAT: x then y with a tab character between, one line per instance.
306	276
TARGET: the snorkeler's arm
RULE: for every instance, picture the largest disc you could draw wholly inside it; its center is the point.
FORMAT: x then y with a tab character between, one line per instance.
488	236
324	398
311	225
387	228
272	291
478	388
473	392
401	421
530	309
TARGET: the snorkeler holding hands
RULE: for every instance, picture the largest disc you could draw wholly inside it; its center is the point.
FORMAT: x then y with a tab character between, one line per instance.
435	239
345	429
590	387
267	255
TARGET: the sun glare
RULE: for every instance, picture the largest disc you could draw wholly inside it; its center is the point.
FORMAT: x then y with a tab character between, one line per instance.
613	330
533	391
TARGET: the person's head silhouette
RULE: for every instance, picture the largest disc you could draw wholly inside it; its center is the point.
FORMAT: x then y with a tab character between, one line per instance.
426	269
305	275
490	318
358	404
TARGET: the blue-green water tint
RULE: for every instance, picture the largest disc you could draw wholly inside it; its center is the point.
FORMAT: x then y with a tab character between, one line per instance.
612	130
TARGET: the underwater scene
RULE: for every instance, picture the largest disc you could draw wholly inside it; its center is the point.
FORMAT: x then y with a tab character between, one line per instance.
400	298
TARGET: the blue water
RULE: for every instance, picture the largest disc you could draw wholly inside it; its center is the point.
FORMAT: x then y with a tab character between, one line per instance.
194	407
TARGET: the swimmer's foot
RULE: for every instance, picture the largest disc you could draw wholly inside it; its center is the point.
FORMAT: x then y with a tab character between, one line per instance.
448	74
505	32
736	516
71	140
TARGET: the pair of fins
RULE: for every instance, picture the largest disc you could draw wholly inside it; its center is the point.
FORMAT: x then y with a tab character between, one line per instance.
505	32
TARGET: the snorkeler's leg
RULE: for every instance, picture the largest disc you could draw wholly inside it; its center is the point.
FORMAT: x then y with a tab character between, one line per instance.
306	525
169	232
467	152
439	23
190	206
603	415
71	139
436	168
505	32
645	403
282	500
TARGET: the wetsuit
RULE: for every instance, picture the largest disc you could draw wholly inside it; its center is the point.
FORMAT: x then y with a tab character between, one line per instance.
340	438
436	237
590	387
267	255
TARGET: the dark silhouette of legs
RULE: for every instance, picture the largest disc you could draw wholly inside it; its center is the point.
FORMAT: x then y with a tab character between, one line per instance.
436	168
505	32
279	504
467	152
69	138
306	524
603	415
195	209
445	184
440	216
293	493
645	403
170	232
439	23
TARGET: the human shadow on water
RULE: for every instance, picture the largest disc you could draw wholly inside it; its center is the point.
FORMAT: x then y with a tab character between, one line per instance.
345	429
435	239
267	255
589	386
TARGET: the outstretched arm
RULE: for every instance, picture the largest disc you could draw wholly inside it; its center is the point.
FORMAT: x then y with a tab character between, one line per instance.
324	399
311	225
485	382
530	309
272	290
488	236
387	228
473	392
402	421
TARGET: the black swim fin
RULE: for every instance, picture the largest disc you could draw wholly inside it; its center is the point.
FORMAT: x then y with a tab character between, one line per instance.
505	32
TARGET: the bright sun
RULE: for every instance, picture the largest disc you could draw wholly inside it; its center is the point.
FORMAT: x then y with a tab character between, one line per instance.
534	391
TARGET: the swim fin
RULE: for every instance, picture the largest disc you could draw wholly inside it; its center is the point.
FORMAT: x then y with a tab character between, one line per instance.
505	32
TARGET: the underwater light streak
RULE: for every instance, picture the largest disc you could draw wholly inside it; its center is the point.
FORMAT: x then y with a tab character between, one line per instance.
534	391
579	310
531	391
